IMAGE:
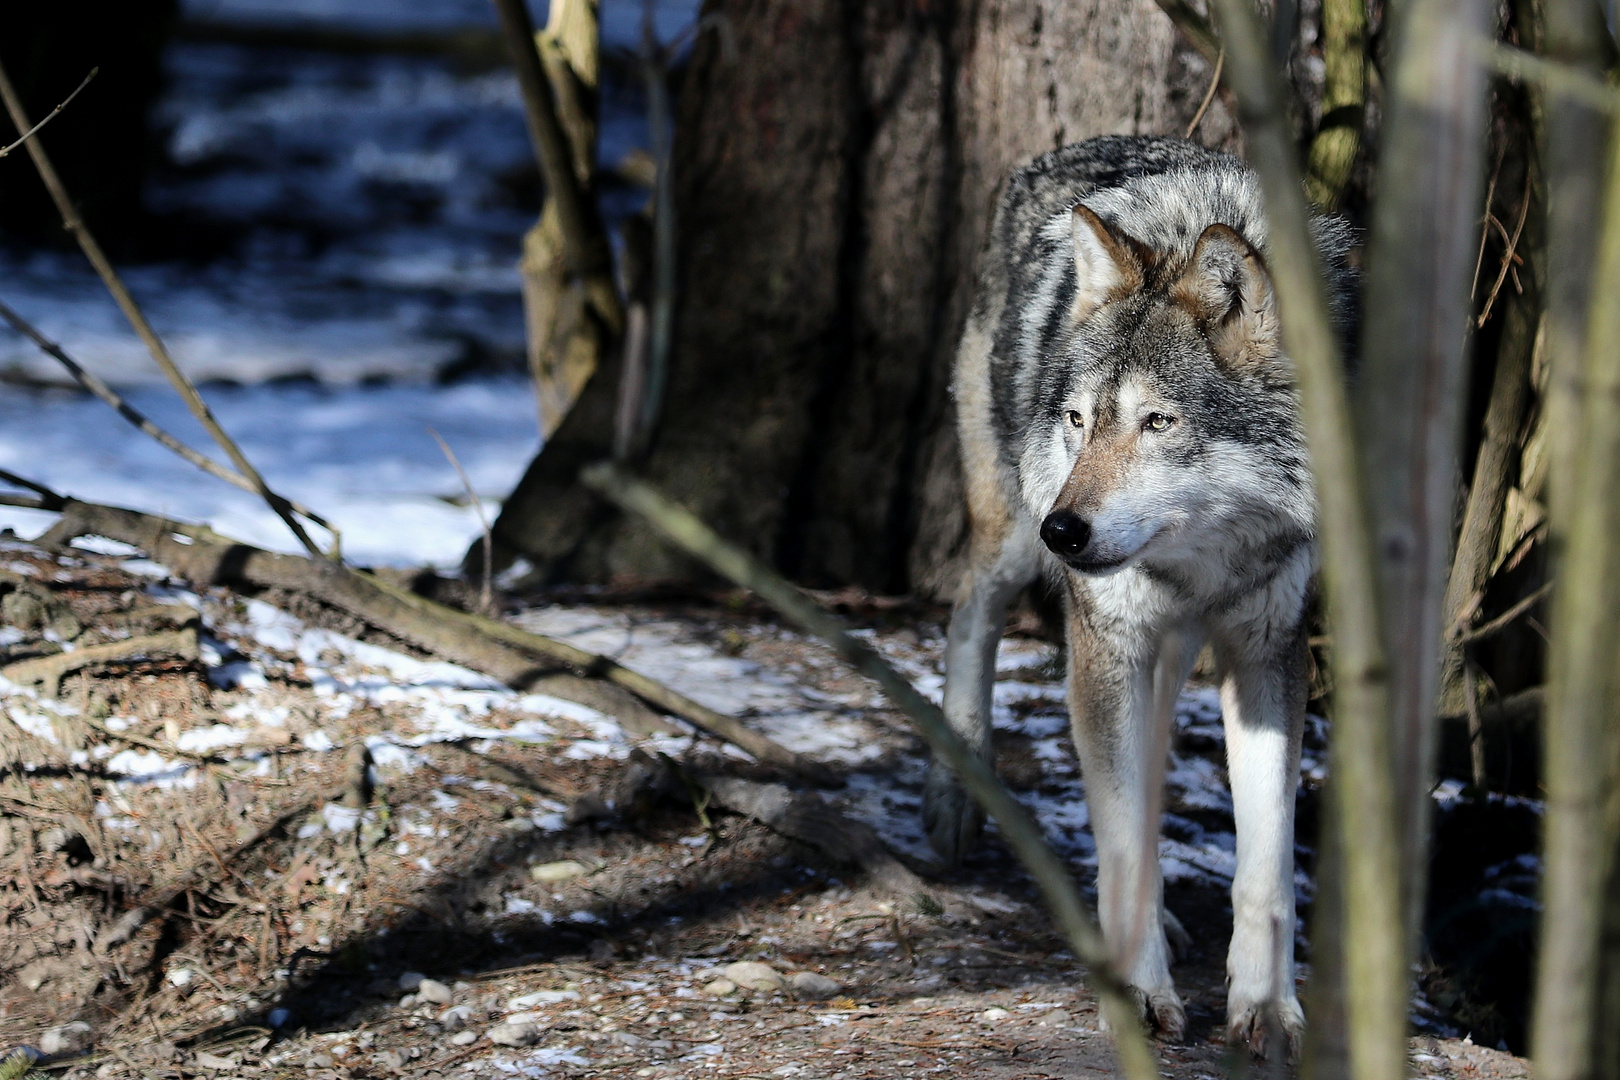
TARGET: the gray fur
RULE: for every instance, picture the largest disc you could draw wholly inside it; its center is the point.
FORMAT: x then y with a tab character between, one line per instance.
1121	375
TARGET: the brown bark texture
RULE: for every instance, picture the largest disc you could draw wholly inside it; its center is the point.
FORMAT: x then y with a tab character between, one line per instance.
835	175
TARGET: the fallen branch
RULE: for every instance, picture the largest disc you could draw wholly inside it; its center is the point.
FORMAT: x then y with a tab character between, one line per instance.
1019	830
516	657
50	670
47	499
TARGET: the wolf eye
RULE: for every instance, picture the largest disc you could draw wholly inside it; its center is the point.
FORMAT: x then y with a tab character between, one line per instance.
1157	422
1076	420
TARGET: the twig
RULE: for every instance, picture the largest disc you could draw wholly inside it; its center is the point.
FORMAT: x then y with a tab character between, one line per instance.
1508	254
52	115
1502	621
1021	833
486	595
1374	929
48	499
50	670
137	319
93	383
1209	95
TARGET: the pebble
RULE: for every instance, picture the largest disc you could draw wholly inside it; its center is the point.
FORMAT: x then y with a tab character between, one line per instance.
456	1017
215	1061
552	872
67	1039
514	1034
625	1038
720	988
320	1061
411	980
753	975
808	984
434	992
1055	1018
994	1016
464	1038
393	1059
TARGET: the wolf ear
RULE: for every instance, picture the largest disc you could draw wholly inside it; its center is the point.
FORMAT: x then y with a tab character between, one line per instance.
1227	288
1104	264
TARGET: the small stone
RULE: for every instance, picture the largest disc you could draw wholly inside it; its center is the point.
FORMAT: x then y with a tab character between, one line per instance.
456	1017
810	985
408	1001
411	980
464	1038
720	988
434	992
625	1038
550	873
753	975
393	1059
994	1016
320	1061
67	1039
514	1034
217	1062
1055	1018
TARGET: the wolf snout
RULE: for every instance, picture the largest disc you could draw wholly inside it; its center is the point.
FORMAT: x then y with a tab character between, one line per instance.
1066	533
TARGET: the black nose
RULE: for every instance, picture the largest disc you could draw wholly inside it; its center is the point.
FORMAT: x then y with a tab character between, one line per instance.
1066	532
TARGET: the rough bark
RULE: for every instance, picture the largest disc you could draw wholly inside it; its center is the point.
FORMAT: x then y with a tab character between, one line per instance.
834	182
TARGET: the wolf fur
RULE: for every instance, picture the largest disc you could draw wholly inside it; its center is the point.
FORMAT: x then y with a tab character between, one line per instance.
1129	429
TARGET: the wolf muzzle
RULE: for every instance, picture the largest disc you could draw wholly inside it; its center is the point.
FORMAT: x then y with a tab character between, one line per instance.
1066	533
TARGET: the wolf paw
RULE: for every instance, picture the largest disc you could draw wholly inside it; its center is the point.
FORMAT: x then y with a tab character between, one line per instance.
1160	1011
952	819
1258	1025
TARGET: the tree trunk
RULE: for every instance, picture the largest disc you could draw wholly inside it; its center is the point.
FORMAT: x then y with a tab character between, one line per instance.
835	174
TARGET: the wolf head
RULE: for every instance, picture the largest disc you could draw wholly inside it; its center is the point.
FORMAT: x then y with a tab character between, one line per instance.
1167	424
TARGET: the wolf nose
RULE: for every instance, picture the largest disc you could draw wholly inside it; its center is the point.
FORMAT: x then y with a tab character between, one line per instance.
1066	532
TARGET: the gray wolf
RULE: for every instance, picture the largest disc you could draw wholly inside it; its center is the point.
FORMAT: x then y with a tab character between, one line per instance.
1129	428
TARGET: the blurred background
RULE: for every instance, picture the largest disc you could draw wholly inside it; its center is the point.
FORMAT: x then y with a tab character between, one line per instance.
320	204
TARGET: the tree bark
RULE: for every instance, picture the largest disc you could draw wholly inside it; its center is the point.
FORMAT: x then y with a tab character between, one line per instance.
835	176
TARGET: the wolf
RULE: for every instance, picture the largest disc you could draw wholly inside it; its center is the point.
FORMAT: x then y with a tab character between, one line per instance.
1129	429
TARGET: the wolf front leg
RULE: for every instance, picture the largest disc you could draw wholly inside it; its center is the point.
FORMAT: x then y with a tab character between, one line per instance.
994	576
1111	684
1263	693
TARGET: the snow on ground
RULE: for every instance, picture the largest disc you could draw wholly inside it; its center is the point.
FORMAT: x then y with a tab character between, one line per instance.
360	455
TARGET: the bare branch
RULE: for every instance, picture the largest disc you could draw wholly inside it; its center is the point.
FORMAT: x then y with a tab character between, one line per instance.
52	115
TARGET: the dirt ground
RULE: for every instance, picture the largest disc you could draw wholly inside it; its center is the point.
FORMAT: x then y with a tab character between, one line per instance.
306	851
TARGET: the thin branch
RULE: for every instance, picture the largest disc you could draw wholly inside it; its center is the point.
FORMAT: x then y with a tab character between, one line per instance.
1373	936
486	594
137	319
52	115
585	250
1510	253
1502	621
1209	95
695	538
93	383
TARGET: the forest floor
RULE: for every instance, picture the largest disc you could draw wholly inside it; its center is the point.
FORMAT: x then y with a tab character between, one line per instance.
310	851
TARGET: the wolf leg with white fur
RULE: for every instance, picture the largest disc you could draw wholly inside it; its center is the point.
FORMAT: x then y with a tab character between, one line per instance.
1263	693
